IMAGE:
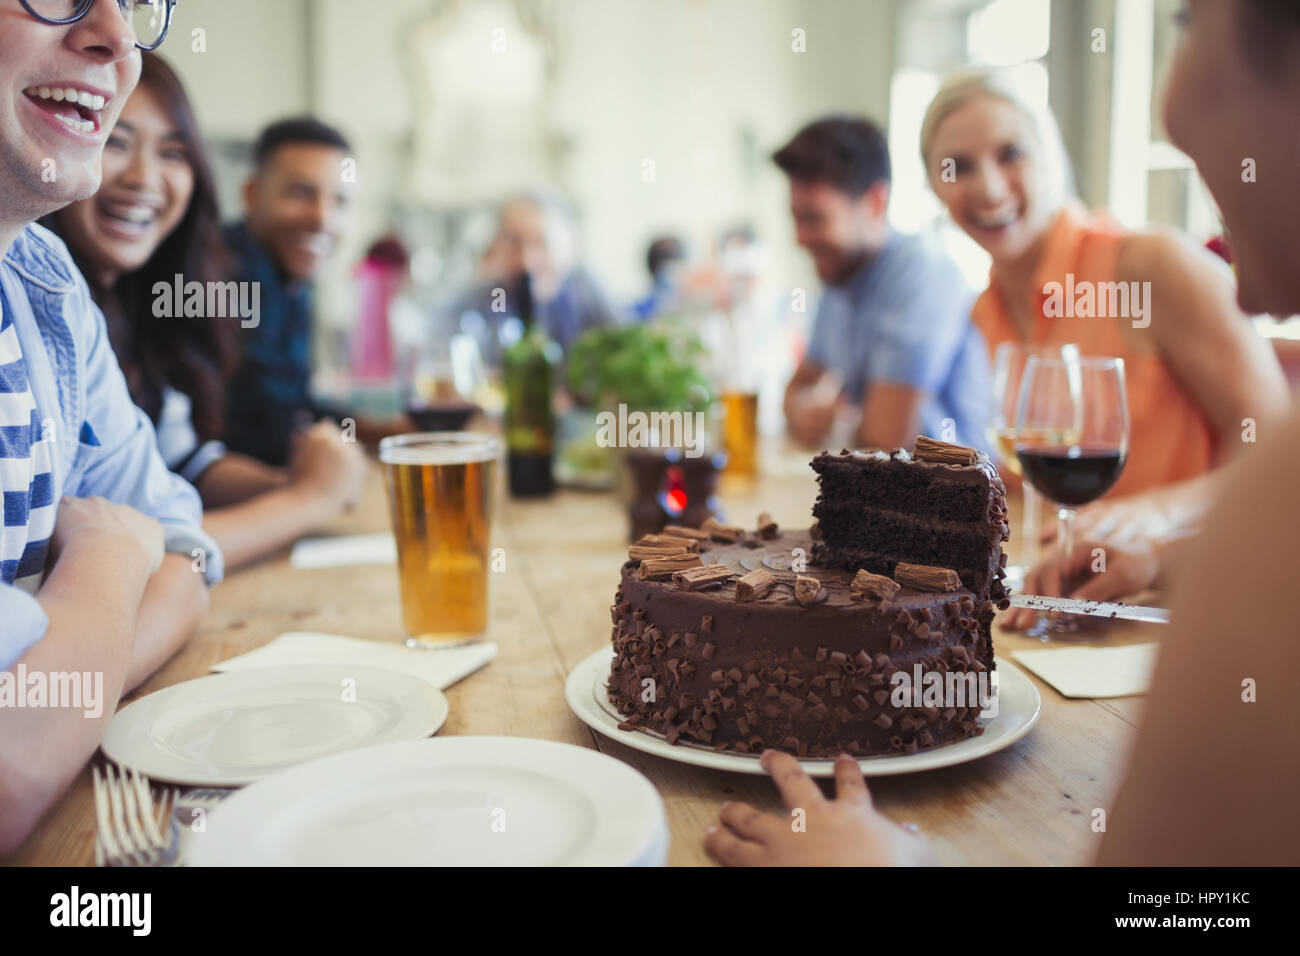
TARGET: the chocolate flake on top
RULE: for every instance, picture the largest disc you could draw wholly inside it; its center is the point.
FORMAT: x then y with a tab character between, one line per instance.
925	578
755	585
654	569
808	590
929	449
706	576
726	533
866	584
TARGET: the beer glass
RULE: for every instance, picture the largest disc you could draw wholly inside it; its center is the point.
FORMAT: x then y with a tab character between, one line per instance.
740	432
440	496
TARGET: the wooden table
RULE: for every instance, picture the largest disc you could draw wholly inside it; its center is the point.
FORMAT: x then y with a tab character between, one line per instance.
1029	804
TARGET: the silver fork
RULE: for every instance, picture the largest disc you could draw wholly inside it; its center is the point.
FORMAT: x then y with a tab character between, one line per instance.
191	805
127	829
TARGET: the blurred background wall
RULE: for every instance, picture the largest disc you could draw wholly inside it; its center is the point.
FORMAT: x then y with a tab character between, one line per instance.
655	115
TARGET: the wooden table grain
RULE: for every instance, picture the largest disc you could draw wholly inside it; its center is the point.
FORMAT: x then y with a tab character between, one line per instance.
1031	803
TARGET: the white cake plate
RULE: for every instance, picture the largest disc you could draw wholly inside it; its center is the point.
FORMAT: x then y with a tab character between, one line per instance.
1018	707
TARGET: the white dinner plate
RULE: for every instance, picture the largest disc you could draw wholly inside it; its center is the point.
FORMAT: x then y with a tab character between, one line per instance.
449	801
1018	707
226	730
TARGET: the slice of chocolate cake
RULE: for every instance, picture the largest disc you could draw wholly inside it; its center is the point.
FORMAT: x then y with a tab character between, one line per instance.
943	506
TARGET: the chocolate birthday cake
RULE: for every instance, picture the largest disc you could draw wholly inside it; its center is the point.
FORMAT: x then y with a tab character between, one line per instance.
794	640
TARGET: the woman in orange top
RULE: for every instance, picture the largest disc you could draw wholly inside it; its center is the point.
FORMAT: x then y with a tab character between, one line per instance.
1196	371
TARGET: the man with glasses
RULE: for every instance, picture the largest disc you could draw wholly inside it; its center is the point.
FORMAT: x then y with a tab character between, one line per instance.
102	558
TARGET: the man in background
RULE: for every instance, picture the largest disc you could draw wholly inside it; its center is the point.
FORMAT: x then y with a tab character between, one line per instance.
892	334
665	260
535	236
297	205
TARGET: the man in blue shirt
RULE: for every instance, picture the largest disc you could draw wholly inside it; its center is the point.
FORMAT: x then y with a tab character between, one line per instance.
103	561
892	334
297	204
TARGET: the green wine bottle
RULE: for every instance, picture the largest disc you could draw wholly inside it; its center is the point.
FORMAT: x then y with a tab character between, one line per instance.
531	366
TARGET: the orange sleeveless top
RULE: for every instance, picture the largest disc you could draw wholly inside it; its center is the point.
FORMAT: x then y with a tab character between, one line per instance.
1169	436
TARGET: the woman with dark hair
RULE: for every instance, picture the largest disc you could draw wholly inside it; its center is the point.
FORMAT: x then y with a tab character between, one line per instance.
1215	777
155	218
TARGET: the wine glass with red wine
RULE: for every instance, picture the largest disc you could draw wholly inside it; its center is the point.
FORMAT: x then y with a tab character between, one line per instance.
1071	440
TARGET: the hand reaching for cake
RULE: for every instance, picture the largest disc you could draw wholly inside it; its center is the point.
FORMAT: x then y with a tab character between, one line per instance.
1092	571
845	831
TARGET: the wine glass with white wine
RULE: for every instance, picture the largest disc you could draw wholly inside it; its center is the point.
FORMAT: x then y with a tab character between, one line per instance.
1008	369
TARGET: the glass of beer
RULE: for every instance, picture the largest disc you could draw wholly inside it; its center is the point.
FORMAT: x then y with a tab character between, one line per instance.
440	494
740	432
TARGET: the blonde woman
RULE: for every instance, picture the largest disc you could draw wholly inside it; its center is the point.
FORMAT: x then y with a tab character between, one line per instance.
1195	368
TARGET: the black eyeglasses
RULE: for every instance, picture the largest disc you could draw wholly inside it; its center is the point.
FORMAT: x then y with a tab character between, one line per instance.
149	19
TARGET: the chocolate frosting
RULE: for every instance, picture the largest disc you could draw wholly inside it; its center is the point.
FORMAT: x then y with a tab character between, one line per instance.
699	666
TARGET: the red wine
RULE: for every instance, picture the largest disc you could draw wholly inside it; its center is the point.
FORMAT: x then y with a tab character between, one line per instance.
1072	474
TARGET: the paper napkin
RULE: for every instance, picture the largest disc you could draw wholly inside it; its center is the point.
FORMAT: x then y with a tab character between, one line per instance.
441	668
1093	671
344	550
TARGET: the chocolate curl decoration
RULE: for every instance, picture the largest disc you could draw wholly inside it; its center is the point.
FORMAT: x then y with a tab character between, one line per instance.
726	533
706	576
639	552
808	590
867	585
667	541
754	585
658	568
928	449
926	578
680	531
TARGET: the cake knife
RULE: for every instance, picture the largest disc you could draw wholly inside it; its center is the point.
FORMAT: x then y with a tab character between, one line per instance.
1112	609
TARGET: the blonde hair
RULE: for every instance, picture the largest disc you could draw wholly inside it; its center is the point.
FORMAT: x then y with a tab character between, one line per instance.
960	88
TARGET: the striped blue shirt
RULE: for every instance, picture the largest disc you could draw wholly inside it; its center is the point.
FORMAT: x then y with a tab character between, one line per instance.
25	471
68	428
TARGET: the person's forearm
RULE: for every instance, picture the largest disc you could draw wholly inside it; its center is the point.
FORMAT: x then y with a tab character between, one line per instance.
790	401
91	597
1186	503
884	436
234	478
265	524
174	601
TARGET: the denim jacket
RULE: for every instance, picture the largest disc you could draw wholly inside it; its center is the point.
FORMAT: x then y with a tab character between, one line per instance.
103	444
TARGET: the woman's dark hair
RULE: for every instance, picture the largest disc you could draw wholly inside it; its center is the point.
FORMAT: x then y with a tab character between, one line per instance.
194	355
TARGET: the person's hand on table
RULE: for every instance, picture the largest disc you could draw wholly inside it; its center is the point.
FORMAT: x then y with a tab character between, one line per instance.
1128	569
845	831
326	468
